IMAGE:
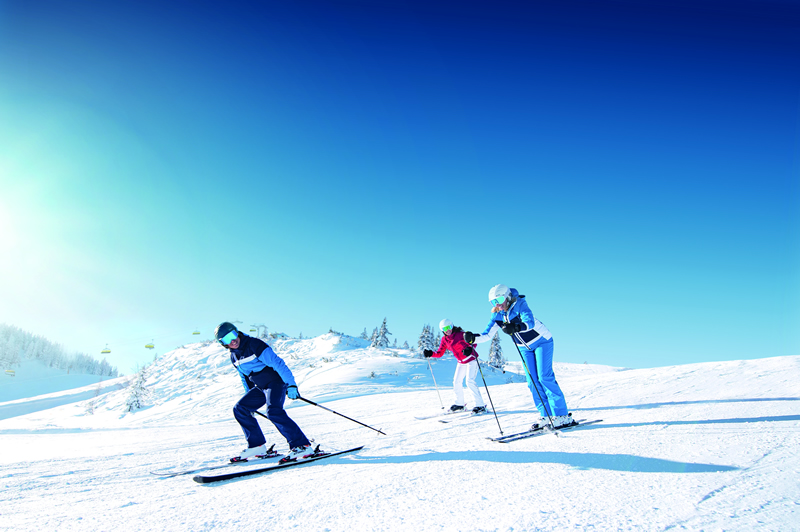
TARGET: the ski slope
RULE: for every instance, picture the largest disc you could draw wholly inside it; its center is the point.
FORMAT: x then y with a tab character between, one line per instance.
709	446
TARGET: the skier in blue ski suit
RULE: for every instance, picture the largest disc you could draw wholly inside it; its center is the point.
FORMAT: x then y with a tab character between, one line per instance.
267	380
512	315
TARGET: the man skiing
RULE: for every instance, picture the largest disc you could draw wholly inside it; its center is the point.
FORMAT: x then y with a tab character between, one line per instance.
467	367
511	314
267	380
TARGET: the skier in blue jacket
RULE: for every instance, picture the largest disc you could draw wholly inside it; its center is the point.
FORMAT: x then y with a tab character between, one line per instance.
267	380
511	314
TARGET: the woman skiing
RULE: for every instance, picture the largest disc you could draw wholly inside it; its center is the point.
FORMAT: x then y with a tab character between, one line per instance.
467	367
267	380
510	313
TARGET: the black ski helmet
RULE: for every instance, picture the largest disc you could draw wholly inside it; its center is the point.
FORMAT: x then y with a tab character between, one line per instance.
222	329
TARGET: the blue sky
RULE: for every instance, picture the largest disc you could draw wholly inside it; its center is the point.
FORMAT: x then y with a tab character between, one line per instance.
633	169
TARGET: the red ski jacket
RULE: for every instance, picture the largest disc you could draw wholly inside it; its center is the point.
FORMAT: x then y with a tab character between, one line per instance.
455	342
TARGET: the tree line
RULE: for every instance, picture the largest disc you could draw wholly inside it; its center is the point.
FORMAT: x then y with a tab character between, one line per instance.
16	345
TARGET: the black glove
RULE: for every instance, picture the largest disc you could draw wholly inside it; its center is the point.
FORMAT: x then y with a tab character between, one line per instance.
467	351
469	337
428	353
511	327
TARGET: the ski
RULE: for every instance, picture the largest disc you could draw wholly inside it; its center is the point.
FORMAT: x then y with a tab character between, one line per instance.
206	479
523	433
440	414
271	453
445	413
457	418
541	431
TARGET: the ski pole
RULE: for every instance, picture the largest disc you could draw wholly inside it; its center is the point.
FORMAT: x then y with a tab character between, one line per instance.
434	384
338	414
533	383
490	397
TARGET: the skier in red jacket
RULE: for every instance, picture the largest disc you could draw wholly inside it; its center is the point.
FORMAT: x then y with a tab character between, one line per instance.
467	367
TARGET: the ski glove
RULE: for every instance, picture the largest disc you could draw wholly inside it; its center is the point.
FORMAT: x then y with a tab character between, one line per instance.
469	337
428	353
293	392
467	351
511	327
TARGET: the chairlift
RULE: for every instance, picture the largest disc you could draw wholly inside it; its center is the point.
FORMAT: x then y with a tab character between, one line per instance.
105	350
253	330
151	345
196	332
11	373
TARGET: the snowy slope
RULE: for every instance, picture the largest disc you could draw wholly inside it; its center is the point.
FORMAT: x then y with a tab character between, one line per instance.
702	446
32	378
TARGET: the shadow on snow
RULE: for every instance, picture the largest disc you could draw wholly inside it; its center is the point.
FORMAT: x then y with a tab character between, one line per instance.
701	421
610	462
674	403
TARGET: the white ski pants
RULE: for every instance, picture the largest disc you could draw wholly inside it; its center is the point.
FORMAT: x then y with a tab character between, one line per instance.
468	371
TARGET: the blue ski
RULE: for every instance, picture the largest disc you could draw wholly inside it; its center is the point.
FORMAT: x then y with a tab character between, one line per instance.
544	430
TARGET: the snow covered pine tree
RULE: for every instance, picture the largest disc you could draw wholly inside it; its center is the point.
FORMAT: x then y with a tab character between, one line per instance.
139	394
496	359
381	338
426	340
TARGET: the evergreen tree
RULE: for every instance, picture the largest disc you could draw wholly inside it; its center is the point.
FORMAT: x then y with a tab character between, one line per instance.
373	337
380	337
496	359
405	344
426	339
364	335
139	393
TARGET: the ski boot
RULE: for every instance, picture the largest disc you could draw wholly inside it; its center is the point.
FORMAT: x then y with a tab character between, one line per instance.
255	452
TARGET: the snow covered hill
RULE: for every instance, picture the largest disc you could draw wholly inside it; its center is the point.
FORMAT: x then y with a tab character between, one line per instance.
701	446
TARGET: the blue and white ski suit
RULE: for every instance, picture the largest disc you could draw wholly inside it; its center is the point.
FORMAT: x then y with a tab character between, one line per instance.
536	346
265	377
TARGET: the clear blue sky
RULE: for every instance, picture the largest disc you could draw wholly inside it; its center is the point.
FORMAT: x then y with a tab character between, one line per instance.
632	167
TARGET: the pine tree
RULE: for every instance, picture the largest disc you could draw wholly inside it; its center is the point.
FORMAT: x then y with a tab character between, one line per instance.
496	359
139	394
364	335
405	344
426	339
380	339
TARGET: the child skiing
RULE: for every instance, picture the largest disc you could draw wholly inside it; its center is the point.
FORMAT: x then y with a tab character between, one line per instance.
467	366
510	312
267	380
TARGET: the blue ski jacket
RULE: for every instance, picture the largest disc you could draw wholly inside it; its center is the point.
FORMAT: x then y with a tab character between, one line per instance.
533	331
258	364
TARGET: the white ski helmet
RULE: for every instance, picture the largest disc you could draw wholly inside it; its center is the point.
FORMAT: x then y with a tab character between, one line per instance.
499	291
445	323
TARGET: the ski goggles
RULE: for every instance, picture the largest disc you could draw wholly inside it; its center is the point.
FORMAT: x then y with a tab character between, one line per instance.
498	300
228	338
447	328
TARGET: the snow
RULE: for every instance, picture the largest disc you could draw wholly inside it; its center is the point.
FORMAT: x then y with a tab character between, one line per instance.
708	446
34	378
